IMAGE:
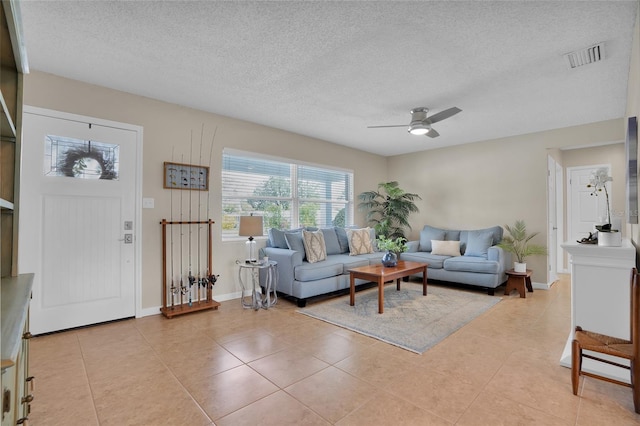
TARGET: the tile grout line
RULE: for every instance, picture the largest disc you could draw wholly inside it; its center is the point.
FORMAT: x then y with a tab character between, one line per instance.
170	371
86	375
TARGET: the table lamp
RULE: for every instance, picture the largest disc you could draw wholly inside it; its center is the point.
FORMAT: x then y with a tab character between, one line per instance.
250	226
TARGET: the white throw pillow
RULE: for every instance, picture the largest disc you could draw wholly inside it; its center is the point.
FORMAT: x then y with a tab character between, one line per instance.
445	248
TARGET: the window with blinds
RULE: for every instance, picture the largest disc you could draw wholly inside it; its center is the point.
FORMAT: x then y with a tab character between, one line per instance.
286	194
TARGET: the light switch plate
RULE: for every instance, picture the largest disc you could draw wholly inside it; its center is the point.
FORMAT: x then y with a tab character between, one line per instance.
148	203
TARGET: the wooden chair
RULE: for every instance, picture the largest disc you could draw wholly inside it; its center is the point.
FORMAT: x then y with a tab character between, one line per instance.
627	349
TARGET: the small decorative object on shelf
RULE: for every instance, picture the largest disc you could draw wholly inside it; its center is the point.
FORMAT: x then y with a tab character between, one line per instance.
393	247
607	236
591	239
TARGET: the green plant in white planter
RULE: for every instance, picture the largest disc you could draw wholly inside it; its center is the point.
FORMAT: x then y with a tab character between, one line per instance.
392	247
518	243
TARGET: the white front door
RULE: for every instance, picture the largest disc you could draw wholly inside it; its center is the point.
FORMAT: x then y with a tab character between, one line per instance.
585	210
77	217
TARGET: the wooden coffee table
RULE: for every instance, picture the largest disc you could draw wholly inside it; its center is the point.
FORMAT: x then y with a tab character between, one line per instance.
381	274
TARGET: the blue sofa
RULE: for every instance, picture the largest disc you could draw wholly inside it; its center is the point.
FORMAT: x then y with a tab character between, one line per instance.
301	280
479	261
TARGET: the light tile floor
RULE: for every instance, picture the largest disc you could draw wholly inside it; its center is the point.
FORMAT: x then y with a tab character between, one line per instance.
277	367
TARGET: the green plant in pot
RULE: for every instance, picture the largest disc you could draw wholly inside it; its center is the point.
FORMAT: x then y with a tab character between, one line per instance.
388	209
392	248
519	243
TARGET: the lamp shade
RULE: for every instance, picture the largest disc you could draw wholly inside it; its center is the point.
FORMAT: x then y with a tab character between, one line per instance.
250	226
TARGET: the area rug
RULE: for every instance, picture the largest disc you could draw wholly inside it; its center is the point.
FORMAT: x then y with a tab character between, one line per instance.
410	320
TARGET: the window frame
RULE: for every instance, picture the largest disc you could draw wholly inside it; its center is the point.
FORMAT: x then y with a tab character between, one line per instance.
294	198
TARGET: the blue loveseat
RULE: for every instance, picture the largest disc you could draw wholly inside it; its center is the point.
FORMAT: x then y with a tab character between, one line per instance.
479	262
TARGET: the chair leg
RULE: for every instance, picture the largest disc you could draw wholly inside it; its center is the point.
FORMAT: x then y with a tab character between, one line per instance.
635	383
576	365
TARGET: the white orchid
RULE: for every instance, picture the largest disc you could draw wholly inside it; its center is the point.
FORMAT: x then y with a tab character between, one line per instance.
598	182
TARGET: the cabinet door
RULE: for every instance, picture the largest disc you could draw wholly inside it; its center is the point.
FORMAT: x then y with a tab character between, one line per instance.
9	381
24	388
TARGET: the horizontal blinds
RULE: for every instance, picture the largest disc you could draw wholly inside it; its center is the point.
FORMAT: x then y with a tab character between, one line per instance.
287	195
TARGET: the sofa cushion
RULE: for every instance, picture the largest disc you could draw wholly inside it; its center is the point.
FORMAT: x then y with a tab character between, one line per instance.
433	260
350	262
427	234
331	267
343	239
445	248
451	235
374	240
314	246
276	237
478	243
331	241
294	242
471	264
359	241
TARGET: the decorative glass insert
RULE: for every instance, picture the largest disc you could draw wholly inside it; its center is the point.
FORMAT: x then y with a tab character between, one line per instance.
81	159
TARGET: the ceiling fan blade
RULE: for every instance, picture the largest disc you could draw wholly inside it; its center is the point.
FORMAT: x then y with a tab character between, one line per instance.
433	133
393	125
443	114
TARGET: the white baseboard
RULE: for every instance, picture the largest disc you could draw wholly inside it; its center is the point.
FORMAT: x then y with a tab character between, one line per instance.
541	286
155	310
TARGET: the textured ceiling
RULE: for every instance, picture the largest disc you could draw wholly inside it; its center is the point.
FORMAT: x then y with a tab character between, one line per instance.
330	69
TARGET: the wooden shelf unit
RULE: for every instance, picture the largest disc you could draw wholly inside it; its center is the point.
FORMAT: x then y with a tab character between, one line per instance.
16	385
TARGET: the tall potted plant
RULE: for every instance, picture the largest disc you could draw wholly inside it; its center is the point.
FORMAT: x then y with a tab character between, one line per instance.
388	209
518	243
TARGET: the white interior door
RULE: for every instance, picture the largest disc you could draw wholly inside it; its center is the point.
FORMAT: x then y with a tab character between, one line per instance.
77	216
560	214
584	210
552	225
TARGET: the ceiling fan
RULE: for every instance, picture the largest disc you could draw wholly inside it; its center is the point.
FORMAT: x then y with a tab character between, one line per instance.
421	124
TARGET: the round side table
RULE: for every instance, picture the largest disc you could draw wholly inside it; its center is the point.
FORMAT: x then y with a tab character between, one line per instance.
251	271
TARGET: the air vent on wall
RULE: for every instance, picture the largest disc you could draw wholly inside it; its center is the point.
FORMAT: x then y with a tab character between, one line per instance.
585	56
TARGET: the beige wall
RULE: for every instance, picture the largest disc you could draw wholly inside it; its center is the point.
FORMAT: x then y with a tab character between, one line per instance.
494	182
167	126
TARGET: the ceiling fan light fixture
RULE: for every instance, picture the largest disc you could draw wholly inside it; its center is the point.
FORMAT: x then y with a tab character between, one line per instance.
419	128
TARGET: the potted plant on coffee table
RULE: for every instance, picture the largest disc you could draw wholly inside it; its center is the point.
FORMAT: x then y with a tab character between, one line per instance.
519	243
392	248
